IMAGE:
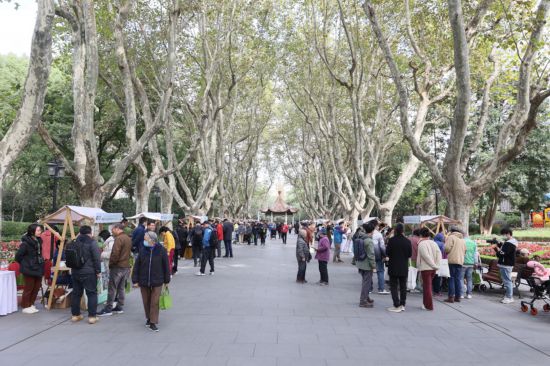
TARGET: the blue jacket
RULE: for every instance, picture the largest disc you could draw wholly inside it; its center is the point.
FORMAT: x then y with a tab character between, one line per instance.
137	238
338	233
206	237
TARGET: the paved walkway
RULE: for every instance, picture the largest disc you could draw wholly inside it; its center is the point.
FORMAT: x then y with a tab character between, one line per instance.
253	313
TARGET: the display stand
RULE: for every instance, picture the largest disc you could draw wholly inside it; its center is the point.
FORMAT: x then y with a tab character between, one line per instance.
70	215
435	223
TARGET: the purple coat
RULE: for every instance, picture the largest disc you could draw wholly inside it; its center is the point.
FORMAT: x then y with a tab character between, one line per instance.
323	251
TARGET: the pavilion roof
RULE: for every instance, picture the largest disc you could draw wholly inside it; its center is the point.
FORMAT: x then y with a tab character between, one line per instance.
280	206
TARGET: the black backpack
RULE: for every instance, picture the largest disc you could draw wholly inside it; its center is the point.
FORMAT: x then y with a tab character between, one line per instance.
197	235
213	239
74	257
359	250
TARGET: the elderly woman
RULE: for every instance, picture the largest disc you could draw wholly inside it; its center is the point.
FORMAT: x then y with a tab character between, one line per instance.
323	255
302	256
151	272
31	264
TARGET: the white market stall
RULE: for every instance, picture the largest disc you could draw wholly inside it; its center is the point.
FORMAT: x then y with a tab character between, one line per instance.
163	218
68	216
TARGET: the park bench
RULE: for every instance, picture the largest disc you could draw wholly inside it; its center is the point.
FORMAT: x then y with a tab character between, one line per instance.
492	276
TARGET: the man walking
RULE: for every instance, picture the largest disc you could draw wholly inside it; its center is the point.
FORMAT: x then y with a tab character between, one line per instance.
284	232
227	237
399	251
85	275
455	247
209	240
119	268
339	231
196	242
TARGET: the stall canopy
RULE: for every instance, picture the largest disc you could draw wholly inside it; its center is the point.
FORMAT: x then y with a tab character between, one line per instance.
79	214
435	223
157	216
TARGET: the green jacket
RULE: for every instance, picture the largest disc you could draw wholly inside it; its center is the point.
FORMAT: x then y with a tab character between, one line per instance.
471	249
369	263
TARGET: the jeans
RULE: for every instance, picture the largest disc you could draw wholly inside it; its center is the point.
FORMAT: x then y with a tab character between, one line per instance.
117	284
228	248
83	282
365	285
302	265
283	236
506	275
399	298
380	275
455	284
323	271
467	273
196	253
207	256
219	248
255	239
427	277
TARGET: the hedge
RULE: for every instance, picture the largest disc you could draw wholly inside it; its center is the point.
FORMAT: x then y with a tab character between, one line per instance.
13	230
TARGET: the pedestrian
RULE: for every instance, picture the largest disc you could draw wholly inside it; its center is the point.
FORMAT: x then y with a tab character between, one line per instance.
137	235
455	247
263	233
365	266
209	240
438	280
227	237
119	269
256	227
284	232
380	255
196	242
85	277
31	265
248	233
414	238
468	267
302	256
241	231
506	254
169	243
183	233
219	234
339	232
323	256
151	272
399	251
427	263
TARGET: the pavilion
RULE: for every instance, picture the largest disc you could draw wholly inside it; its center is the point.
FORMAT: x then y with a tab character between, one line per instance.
280	208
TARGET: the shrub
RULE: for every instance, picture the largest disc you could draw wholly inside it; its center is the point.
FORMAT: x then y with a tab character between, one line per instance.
14	230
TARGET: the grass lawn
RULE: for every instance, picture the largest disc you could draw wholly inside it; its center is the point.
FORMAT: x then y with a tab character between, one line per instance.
532	233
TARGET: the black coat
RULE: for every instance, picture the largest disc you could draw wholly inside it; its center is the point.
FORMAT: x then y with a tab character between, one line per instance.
151	267
399	251
228	230
29	257
90	253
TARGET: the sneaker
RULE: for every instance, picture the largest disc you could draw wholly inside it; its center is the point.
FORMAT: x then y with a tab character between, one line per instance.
461	296
147	324
423	307
105	312
118	310
28	310
211	273
383	292
366	305
507	300
34	309
153	327
92	319
468	296
76	318
402	307
323	284
199	274
394	309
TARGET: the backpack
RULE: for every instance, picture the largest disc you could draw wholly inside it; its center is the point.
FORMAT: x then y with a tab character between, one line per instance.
213	239
359	251
74	257
197	235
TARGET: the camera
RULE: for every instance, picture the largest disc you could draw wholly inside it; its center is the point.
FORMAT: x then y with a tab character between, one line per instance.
494	241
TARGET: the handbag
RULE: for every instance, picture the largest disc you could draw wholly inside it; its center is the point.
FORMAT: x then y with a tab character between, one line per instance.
411	278
165	301
443	270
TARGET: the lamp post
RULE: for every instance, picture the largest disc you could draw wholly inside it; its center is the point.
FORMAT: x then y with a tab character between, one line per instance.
156	194
56	170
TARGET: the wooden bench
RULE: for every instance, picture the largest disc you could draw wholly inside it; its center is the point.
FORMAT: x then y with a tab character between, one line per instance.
493	275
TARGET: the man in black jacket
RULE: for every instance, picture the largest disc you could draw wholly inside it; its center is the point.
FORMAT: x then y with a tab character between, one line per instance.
399	251
506	254
227	237
85	277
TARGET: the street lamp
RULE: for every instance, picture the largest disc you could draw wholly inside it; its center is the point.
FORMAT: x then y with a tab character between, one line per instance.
56	170
156	194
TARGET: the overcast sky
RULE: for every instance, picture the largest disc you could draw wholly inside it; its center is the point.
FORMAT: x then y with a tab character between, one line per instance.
16	27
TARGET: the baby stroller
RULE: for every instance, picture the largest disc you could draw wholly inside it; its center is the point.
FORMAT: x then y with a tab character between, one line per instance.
540	292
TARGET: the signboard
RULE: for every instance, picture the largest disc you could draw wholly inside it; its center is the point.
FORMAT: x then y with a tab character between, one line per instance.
104	217
412	219
103	283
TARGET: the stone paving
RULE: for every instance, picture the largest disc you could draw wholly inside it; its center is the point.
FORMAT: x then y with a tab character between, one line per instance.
251	312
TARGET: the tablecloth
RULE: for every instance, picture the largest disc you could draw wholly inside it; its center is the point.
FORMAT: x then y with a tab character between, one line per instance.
8	292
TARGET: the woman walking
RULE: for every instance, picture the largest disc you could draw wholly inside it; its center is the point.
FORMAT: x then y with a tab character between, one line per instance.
302	256
323	255
151	272
399	251
31	265
427	262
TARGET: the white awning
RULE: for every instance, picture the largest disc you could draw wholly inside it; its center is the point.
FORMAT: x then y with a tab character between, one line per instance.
157	216
79	213
428	219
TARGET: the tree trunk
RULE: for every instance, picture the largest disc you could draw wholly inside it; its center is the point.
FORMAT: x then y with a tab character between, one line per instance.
459	206
142	193
487	220
386	214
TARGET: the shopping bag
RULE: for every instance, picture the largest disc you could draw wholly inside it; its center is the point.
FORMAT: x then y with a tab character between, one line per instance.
444	268
411	278
165	301
476	278
188	253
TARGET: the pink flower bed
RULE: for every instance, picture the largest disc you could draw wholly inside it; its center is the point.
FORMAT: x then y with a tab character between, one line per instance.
485	249
8	250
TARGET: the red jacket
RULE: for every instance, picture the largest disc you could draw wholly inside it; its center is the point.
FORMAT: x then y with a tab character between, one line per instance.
219	231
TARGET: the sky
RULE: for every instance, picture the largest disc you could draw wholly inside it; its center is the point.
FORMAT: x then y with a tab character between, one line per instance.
16	27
